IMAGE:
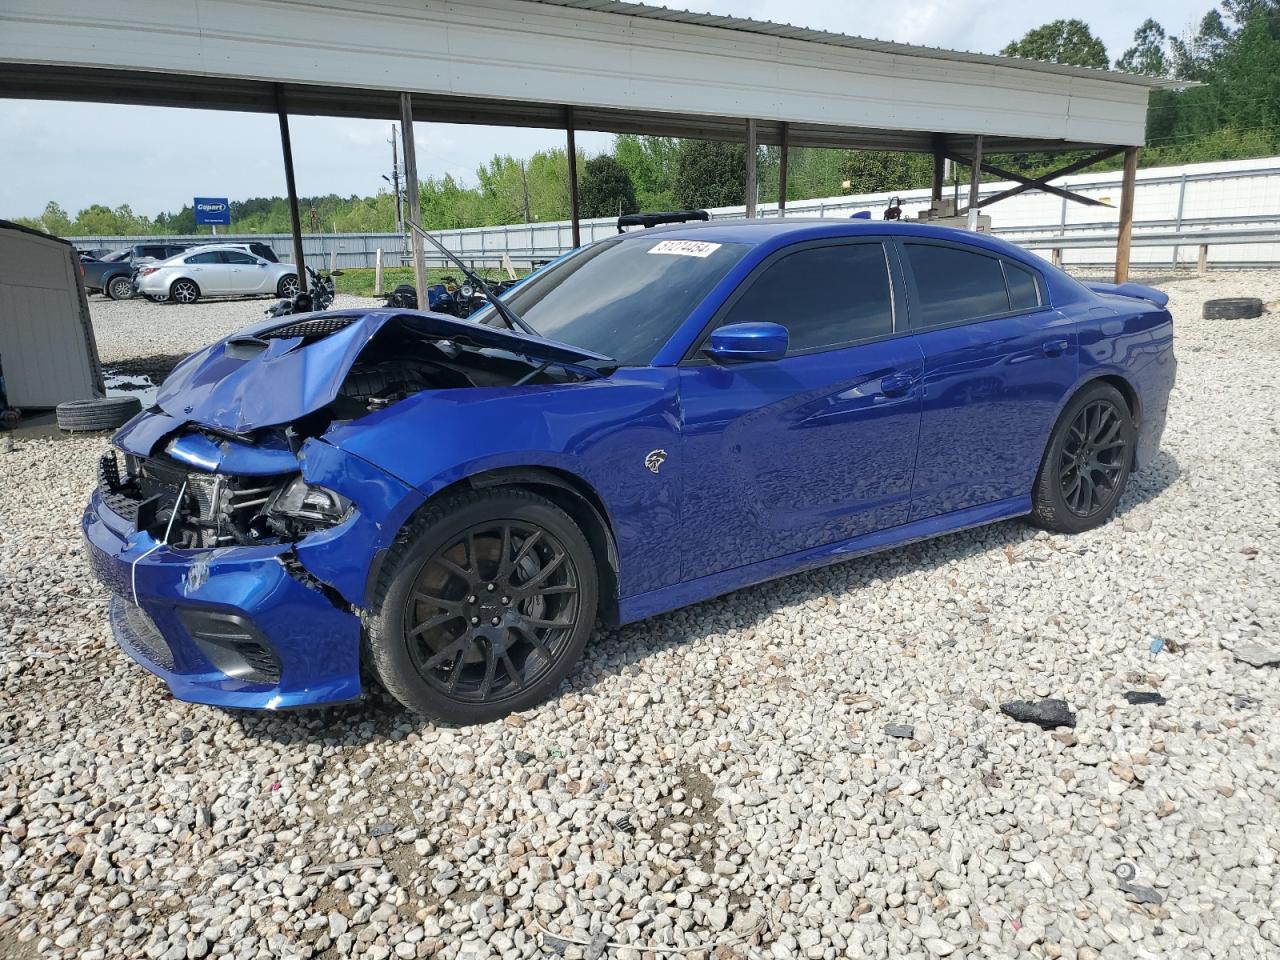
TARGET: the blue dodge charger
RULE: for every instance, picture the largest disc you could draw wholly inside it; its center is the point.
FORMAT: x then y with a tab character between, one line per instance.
654	419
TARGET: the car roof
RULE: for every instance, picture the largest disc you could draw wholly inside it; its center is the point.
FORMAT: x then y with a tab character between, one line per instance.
777	232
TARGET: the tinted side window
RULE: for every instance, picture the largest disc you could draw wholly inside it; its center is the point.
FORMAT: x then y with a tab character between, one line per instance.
824	296
210	257
953	285
231	256
1024	293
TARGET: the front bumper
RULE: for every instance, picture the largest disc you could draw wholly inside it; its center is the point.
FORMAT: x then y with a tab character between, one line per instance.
231	627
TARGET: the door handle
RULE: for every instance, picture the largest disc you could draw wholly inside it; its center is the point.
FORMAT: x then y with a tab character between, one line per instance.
896	384
1054	348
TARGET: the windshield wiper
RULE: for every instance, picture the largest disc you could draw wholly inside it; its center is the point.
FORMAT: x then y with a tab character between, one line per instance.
514	320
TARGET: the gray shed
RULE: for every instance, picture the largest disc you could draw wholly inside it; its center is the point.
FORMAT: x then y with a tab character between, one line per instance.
47	351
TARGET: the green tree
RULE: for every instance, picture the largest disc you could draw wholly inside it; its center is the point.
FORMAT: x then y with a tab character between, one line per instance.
1062	41
1147	55
709	173
650	161
605	188
54	220
875	171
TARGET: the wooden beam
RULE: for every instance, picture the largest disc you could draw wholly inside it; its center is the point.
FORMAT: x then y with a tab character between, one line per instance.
291	187
782	169
1036	183
1125	238
939	165
415	199
751	168
572	148
1040	183
975	175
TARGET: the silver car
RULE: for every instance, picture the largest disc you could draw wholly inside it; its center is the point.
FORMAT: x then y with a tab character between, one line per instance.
216	271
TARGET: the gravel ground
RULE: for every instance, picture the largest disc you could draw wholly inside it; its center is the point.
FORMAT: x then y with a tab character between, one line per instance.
739	769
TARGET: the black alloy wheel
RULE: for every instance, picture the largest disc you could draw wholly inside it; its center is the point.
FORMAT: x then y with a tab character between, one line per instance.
483	606
1088	461
1093	458
492	611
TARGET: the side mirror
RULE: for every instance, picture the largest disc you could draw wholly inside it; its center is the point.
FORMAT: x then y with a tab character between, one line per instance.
739	342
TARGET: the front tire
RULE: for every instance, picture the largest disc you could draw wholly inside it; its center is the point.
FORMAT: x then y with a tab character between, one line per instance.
483	606
120	288
1087	464
184	292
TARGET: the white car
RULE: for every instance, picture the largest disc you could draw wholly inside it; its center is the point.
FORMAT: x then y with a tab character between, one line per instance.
216	271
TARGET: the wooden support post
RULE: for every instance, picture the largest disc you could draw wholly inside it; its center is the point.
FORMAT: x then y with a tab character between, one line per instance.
1056	256
751	168
1202	264
975	174
415	199
782	169
1125	238
377	272
291	188
573	177
939	166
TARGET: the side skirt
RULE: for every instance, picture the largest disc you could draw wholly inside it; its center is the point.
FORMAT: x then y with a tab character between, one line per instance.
678	595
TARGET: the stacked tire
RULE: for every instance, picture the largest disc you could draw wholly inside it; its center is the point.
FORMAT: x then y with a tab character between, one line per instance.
100	413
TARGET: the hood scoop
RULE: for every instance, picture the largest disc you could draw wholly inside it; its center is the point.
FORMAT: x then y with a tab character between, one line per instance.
312	329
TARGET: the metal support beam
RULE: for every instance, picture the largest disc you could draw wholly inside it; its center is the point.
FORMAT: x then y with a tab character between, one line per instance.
782	169
751	168
1041	182
939	166
415	199
291	187
572	151
1125	239
975	174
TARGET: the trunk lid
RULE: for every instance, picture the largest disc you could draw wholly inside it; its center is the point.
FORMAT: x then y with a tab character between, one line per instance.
280	370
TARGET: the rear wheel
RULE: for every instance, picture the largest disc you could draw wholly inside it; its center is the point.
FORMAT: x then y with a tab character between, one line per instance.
483	606
120	288
288	286
184	291
1087	464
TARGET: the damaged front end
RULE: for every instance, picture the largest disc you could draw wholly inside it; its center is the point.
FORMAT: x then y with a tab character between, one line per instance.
239	544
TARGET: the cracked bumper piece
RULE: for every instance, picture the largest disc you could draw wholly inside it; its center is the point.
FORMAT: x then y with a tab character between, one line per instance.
230	627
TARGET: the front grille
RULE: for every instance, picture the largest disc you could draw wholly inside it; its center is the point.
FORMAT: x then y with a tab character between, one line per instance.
319	327
136	630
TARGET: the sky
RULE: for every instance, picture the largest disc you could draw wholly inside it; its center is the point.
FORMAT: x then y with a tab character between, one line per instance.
156	159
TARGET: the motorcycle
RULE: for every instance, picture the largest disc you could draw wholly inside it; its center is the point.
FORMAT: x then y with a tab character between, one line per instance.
449	296
318	297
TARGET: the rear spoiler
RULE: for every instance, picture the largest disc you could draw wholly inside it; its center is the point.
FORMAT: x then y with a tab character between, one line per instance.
647	220
1134	291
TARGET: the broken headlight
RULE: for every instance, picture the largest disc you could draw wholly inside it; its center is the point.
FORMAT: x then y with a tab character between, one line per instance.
307	504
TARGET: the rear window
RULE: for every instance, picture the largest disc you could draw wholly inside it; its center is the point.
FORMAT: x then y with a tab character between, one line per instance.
953	285
1024	292
209	257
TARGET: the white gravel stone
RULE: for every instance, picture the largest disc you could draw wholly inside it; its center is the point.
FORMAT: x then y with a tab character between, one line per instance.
742	741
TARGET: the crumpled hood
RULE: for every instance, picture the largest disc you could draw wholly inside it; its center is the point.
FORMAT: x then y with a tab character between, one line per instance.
259	378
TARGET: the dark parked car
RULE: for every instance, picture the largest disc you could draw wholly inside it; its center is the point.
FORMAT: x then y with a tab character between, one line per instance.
654	419
113	275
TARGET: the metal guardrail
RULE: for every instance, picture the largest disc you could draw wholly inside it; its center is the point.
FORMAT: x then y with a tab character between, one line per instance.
1163	238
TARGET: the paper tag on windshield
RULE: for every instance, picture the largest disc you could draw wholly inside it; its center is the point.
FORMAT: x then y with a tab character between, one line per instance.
685	248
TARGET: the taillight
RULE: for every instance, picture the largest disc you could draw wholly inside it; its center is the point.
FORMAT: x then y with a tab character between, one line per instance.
146	270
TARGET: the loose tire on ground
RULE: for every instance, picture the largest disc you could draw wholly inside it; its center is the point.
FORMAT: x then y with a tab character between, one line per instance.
1233	308
420	657
1093	441
120	288
102	413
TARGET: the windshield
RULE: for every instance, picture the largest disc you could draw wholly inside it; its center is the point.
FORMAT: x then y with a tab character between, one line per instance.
621	298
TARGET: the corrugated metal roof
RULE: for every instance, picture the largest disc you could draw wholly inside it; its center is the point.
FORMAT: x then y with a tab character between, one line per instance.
789	31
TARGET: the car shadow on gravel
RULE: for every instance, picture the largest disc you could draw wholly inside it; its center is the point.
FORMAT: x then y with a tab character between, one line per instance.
616	650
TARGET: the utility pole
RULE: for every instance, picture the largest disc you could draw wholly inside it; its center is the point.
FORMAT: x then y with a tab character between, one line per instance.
524	182
395	180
